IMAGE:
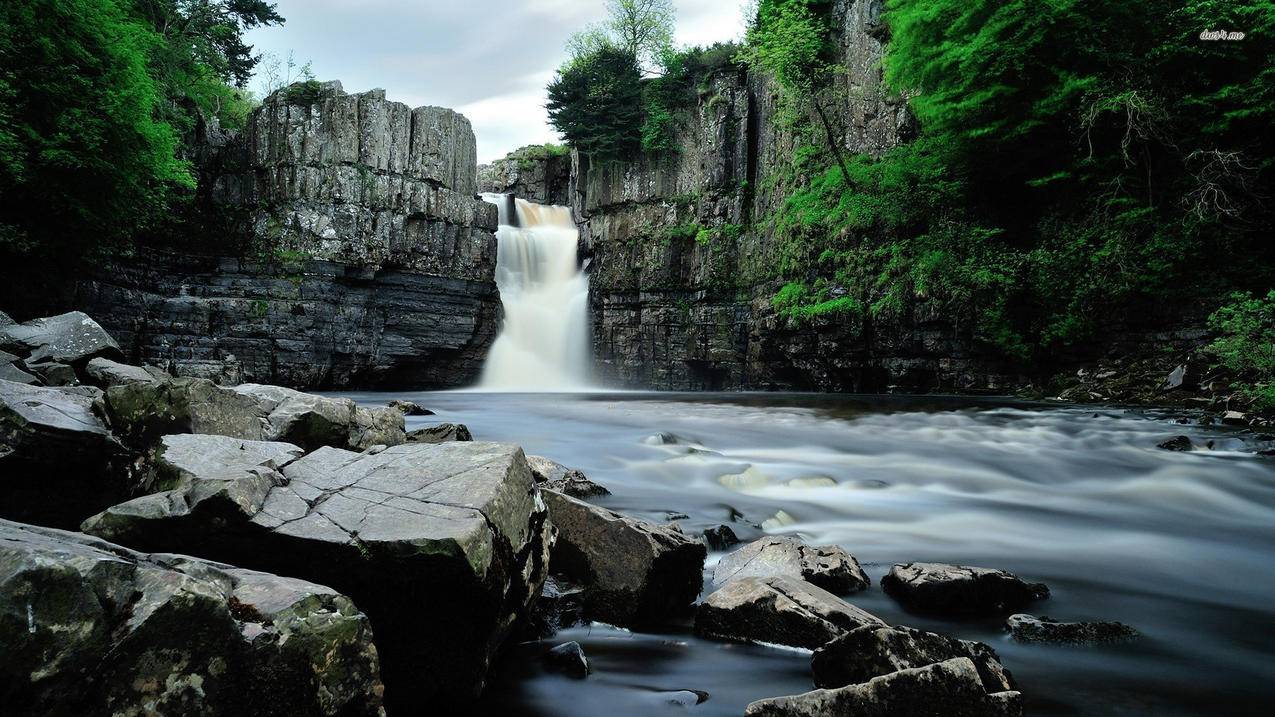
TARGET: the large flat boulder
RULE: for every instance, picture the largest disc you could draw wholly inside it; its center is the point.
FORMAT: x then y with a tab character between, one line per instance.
104	373
947	689
946	589
72	338
92	628
633	572
828	566
443	546
312	421
779	610
872	651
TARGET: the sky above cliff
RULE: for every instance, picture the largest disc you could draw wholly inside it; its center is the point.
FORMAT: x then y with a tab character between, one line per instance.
490	60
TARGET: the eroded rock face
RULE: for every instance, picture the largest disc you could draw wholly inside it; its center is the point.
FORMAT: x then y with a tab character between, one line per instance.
828	566
443	546
93	628
780	610
959	589
872	651
531	173
1029	628
554	476
951	688
633	571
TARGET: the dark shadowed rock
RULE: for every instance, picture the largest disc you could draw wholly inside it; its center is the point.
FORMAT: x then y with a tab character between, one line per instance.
5	320
312	421
555	476
11	370
945	689
872	651
1029	628
443	546
71	338
55	374
88	626
568	658
781	610
959	590
560	605
720	537
440	433
104	373
1177	443
409	408
828	566
632	571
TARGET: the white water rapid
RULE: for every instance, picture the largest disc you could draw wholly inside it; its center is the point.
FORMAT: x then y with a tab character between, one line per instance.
543	344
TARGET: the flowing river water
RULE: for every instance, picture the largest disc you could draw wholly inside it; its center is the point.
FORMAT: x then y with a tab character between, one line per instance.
1179	545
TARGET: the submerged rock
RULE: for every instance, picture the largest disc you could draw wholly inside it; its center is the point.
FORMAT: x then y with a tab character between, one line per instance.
951	689
1177	443
93	628
828	566
872	651
441	433
633	571
781	610
557	477
720	537
443	546
409	408
958	589
560	605
568	658
1029	628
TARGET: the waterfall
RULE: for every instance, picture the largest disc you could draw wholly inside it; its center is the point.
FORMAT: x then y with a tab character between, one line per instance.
543	343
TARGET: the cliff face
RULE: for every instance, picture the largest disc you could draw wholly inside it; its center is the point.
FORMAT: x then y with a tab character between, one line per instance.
361	257
537	174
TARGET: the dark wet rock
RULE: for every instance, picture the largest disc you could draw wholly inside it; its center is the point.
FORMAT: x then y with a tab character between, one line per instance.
720	537
781	610
633	571
555	476
568	658
828	566
104	373
11	369
93	628
1177	443
959	590
872	651
409	408
1029	628
58	463
950	689
443	546
685	698
559	606
441	433
72	338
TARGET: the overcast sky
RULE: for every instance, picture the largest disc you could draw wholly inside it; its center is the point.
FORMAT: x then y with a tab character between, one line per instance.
489	59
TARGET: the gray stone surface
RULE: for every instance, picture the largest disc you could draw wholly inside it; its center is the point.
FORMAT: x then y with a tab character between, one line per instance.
529	173
93	628
959	589
70	338
1029	628
828	566
312	421
440	433
554	476
779	610
104	373
633	572
443	546
868	652
951	689
185	458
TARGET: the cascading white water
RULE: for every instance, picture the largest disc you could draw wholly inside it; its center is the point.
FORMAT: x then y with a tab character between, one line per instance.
543	344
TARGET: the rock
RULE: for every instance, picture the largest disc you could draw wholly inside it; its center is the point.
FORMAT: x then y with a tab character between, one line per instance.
56	374
1180	378
685	698
72	338
568	658
871	651
1029	628
951	689
1235	418
829	566
720	537
440	433
779	610
959	590
312	421
93	628
443	546
183	459
1177	443
11	372
104	373
633	572
58	463
5	320
557	477
409	408
560	605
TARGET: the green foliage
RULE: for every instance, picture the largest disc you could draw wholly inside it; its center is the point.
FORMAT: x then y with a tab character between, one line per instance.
790	39
304	93
595	102
1246	344
797	302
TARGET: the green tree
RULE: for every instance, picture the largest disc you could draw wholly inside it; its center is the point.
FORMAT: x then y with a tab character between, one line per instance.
642	28
595	102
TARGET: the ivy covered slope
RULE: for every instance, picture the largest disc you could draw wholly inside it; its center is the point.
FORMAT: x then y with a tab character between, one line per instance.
1031	183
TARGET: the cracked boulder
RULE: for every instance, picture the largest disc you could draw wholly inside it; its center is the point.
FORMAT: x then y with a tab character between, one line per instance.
828	566
780	610
93	628
873	651
71	339
557	477
632	571
443	546
951	688
945	589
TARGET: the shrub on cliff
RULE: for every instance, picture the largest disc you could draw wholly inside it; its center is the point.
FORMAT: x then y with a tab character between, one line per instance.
595	101
1246	344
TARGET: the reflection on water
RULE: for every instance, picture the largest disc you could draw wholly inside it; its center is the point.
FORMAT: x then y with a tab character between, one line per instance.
1178	545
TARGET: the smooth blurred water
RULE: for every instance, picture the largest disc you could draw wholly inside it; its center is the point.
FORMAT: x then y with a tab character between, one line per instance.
1179	545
